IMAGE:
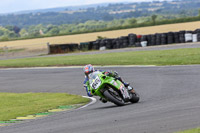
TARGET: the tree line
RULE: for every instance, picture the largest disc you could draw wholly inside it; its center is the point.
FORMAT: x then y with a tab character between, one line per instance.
35	31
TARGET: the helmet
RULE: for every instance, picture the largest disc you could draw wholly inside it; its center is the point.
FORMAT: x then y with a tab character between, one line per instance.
88	69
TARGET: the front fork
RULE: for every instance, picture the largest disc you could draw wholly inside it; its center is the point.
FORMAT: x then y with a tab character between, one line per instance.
125	93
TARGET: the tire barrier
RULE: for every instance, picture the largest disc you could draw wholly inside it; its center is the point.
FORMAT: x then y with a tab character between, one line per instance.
84	46
62	48
132	40
163	39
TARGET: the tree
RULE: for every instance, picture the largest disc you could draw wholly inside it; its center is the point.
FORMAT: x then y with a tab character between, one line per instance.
23	33
16	29
153	17
199	12
54	31
132	21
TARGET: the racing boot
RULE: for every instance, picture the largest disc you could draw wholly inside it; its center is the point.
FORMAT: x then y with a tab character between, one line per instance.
126	84
103	100
131	89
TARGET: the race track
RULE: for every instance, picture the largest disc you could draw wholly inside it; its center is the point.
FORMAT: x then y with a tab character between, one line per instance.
170	100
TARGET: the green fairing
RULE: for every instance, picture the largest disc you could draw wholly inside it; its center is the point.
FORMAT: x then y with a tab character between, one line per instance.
105	81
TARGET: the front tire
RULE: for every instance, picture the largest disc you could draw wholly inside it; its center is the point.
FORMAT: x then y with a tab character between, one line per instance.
134	97
114	97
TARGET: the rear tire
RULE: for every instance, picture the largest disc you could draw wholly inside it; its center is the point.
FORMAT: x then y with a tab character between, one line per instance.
112	97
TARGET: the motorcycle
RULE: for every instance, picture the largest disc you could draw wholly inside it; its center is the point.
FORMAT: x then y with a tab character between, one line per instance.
111	89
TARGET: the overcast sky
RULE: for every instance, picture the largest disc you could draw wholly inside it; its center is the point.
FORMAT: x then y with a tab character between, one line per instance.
7	6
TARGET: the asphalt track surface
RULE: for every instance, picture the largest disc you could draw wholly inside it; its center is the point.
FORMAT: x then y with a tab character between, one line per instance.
170	100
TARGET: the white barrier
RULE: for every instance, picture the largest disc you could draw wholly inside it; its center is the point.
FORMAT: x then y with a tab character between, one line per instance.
144	43
194	38
188	37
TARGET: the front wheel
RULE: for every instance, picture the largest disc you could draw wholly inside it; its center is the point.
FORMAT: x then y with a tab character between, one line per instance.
134	97
114	97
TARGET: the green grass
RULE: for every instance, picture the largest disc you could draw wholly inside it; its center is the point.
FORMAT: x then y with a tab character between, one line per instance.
163	57
196	130
13	105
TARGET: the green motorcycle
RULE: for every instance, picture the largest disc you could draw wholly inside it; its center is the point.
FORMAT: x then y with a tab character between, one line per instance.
111	89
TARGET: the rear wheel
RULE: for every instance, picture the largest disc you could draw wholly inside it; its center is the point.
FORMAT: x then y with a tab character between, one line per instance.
114	97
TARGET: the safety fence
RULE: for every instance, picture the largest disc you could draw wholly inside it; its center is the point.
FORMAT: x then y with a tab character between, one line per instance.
133	40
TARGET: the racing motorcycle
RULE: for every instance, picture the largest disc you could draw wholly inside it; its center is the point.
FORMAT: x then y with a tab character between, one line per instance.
111	89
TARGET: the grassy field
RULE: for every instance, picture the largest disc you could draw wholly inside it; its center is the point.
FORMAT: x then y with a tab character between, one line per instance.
40	43
162	57
196	130
23	104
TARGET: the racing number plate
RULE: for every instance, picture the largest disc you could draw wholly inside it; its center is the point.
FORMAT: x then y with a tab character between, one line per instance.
96	83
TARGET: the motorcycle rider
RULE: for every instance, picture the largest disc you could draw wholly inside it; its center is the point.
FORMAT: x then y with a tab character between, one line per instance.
89	69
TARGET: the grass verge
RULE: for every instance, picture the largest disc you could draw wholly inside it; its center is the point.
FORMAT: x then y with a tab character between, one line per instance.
162	57
195	130
13	105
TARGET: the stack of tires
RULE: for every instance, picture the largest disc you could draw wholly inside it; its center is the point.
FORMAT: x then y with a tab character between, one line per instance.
170	37
132	39
96	45
176	37
198	34
153	40
163	38
158	39
140	40
108	43
182	36
118	43
124	41
148	37
114	44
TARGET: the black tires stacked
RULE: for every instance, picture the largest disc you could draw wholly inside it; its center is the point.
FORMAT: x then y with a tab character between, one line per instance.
170	37
153	40
142	40
132	39
176	37
198	34
158	39
163	38
125	42
182	36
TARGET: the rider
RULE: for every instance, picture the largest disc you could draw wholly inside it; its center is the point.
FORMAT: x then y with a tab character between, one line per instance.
89	69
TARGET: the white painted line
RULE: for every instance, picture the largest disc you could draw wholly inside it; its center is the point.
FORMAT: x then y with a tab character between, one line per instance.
94	100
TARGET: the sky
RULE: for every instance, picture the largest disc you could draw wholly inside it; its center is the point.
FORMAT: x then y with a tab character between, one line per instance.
9	6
